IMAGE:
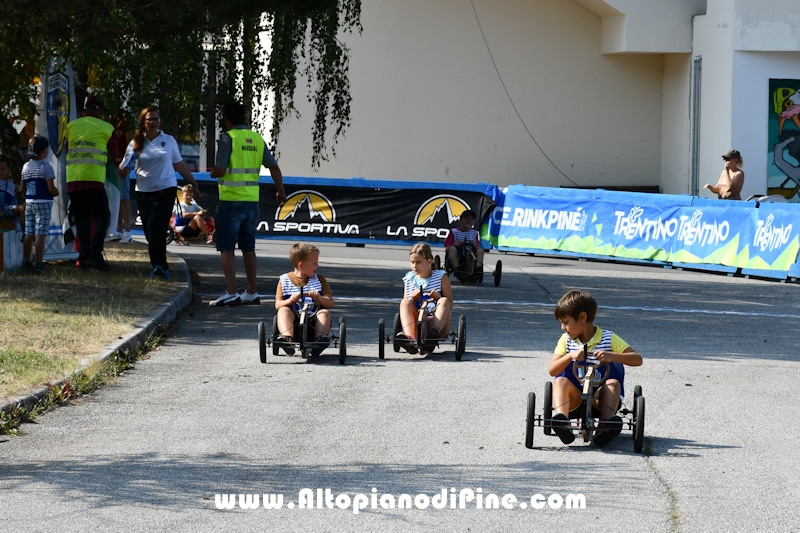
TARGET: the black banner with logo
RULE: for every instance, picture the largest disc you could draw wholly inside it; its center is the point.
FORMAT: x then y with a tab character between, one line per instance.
358	214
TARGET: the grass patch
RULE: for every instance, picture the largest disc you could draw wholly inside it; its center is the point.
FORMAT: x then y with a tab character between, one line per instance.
76	384
49	323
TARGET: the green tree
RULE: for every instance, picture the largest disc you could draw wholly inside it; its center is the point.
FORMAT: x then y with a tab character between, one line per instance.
189	57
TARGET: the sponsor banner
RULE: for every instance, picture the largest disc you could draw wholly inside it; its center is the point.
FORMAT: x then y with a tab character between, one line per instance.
635	226
583	223
59	108
774	239
712	232
359	210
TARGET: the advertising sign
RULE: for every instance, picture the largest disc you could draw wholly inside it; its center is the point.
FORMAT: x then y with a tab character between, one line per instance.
657	228
372	211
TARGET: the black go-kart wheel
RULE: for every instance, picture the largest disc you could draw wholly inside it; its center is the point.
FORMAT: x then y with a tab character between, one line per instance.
342	320
438	262
381	338
262	341
275	349
637	391
170	235
468	266
638	424
529	420
342	341
461	339
548	407
498	272
396	328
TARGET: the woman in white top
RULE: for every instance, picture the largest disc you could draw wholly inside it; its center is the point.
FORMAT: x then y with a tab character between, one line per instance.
157	160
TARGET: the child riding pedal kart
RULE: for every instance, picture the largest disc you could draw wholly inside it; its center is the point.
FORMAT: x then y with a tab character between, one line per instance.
190	221
588	366
463	252
424	318
302	300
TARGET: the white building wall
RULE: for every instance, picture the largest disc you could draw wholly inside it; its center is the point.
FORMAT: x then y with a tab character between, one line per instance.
676	124
713	35
428	104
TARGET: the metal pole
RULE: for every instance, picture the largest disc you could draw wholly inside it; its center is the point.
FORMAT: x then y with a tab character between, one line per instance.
694	185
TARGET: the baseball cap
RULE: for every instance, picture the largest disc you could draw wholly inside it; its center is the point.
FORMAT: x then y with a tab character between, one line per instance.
37	145
732	154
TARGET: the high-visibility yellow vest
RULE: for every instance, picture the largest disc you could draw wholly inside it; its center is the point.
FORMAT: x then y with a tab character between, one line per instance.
240	182
88	153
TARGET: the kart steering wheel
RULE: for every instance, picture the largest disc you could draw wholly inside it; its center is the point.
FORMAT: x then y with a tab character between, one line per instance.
600	369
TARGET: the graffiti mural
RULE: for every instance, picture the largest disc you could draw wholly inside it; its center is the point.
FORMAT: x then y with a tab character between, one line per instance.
783	164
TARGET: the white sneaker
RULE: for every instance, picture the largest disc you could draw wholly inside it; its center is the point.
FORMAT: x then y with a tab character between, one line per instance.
126	238
113	237
227	300
251	299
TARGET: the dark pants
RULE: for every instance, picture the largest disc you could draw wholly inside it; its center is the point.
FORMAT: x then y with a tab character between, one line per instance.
155	208
86	208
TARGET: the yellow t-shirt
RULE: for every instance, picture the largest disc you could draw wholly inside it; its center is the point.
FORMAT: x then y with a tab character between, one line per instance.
618	345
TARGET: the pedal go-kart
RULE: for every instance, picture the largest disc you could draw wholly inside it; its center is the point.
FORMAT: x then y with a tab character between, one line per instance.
423	343
468	270
304	331
585	419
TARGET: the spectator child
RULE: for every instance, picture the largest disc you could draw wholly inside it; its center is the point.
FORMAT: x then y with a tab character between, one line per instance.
305	260
189	218
38	184
576	311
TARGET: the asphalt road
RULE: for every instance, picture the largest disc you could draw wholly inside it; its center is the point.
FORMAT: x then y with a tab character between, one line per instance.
202	416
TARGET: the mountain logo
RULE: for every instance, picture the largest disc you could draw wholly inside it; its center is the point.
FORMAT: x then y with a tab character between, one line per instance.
453	206
307	205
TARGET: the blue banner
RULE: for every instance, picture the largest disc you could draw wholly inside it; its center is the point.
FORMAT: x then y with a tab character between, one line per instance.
648	227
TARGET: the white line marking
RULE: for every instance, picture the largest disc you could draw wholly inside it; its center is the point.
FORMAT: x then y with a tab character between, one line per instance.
551	305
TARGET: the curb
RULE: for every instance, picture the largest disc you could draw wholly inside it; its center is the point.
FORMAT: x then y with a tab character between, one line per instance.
163	315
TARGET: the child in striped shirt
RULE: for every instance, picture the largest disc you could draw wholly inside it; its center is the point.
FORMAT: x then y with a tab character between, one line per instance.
576	311
38	183
305	260
424	282
462	237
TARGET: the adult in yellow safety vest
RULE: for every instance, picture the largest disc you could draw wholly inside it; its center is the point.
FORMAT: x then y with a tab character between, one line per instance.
241	153
87	154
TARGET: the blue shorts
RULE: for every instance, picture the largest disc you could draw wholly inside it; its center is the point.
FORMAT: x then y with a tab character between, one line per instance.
236	222
125	187
37	218
615	371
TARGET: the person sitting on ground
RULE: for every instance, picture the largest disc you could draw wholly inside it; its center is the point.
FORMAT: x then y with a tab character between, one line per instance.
305	260
731	181
423	282
8	198
576	311
190	217
461	238
38	183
